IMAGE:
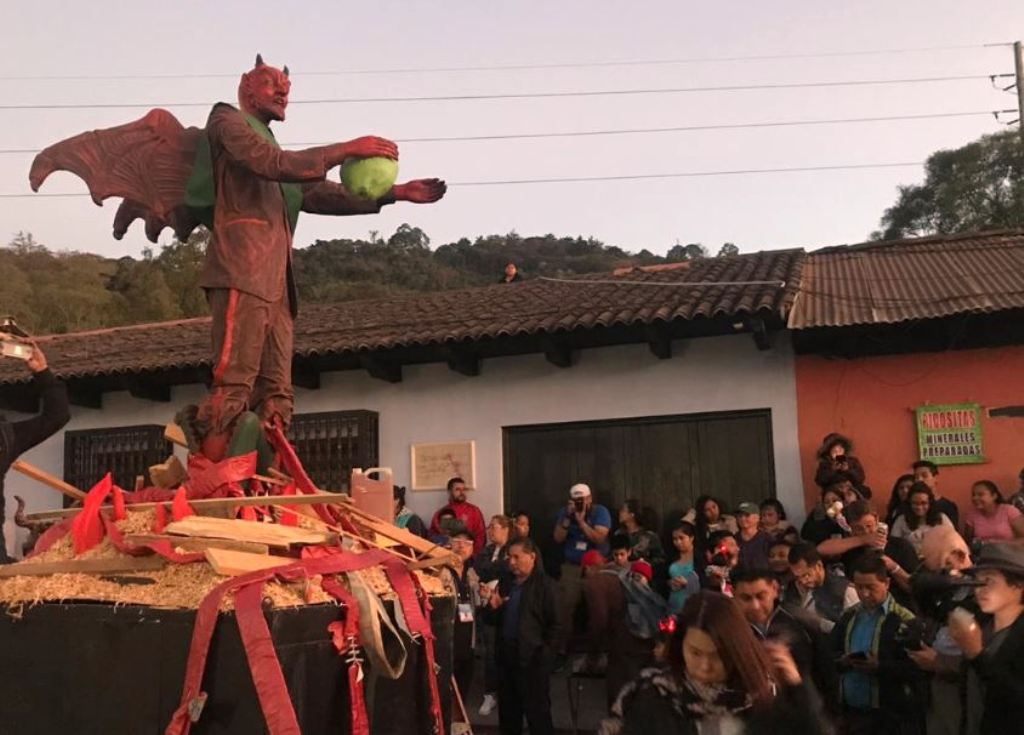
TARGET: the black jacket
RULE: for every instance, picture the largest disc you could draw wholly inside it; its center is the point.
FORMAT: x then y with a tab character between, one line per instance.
810	648
20	436
819	527
1003	676
826	470
538	618
650	711
898	686
490	568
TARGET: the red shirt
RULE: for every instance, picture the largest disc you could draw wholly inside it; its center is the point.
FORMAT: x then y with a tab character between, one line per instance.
473	519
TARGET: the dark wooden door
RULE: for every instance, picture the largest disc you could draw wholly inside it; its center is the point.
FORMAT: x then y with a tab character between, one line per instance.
666	462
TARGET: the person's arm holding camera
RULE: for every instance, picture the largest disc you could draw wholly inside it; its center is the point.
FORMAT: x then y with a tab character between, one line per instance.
595	534
20	436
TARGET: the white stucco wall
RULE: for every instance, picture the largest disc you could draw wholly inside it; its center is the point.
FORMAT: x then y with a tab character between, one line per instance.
433	403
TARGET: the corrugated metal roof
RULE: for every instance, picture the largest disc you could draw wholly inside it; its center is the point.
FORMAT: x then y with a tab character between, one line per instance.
763	283
926	278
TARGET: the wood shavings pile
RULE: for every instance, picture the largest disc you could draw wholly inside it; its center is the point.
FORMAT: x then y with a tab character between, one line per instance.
182	586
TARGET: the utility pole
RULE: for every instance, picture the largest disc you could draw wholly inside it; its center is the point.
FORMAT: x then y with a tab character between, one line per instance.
1018	68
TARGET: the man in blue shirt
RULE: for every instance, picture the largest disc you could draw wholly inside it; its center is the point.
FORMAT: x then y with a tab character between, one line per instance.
581	526
880	688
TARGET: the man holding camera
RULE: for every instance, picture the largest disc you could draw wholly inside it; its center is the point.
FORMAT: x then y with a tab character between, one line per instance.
17	437
581	526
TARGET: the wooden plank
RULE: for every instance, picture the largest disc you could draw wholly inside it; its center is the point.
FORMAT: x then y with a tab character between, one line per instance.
233	563
84	566
198	543
434	561
47	479
214	504
174	434
167	474
393	532
272	534
374	542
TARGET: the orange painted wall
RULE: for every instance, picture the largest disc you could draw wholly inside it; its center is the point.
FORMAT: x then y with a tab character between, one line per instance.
871	400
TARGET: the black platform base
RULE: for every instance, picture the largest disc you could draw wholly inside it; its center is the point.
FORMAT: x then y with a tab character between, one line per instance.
96	669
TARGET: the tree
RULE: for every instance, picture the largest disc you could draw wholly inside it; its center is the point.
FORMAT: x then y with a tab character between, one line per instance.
977	187
181	264
409	238
691	251
727	249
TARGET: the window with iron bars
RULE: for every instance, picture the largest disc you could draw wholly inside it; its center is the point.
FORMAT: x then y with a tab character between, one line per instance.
332	443
126	452
329	444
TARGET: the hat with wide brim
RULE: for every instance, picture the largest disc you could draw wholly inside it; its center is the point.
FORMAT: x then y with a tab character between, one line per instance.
1004	557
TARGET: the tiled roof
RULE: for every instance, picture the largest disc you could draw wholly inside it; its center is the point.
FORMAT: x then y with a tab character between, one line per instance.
926	278
459	316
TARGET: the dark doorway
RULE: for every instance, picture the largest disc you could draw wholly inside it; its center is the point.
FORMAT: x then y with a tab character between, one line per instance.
664	461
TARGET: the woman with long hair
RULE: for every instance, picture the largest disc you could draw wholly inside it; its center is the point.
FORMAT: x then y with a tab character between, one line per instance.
921	517
773	518
707	517
898	499
718	678
991	518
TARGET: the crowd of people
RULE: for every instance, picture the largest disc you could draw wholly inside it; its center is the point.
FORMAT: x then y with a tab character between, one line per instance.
898	616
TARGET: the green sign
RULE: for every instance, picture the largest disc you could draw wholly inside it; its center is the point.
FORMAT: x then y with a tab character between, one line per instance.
950	434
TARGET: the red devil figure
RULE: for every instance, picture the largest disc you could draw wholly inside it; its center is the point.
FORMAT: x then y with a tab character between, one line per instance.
233	177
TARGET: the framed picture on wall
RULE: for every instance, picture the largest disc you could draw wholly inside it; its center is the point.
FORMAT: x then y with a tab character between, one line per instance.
436	463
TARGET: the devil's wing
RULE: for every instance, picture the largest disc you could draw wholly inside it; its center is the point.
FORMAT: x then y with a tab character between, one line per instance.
147	163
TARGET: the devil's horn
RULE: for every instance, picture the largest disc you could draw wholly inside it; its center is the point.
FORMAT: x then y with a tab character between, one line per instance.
259	59
285	70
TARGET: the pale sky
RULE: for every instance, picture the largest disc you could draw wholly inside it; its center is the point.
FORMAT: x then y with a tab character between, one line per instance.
809	209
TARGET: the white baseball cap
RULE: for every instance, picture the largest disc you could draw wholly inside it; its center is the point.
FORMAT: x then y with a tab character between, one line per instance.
579	491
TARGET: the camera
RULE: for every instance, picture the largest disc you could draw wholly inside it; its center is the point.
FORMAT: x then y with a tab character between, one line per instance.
12	340
911	634
938	593
578	504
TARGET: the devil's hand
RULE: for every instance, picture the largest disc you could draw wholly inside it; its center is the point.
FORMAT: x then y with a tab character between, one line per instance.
420	191
370	146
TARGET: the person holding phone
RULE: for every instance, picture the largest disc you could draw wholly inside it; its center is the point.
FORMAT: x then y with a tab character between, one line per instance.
881	690
17	437
836	455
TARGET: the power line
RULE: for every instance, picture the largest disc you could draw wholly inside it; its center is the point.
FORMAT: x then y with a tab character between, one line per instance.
641	131
526	67
527	95
689	174
623	177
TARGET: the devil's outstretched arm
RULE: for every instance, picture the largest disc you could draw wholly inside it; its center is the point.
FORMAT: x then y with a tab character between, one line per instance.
228	131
